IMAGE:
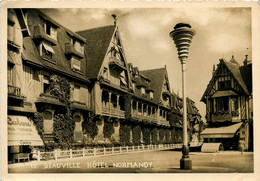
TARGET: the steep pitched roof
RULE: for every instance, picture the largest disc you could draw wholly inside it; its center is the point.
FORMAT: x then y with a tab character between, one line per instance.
31	55
59	25
235	70
60	63
157	79
98	41
242	74
246	72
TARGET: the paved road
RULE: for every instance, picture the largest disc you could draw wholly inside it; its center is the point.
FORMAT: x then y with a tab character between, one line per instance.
144	162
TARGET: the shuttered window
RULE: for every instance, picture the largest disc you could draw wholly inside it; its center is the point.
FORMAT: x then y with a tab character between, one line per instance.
75	63
76	93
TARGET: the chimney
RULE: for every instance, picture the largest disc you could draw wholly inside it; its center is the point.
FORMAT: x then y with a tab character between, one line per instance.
115	18
213	71
246	61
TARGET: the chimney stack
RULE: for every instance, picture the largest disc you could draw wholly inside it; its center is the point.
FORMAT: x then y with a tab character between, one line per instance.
246	61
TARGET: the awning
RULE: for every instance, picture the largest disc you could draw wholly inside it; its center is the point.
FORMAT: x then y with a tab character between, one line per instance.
224	93
47	47
21	131
221	132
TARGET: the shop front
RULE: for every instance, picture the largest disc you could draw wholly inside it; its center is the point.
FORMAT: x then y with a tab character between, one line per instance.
227	135
22	137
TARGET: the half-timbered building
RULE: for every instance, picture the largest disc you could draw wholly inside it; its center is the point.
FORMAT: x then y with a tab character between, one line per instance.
78	88
229	105
44	60
107	69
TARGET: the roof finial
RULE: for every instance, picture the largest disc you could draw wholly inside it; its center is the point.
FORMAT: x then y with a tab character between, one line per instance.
115	18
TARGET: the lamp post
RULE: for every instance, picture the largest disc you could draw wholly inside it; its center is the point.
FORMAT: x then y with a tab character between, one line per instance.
182	35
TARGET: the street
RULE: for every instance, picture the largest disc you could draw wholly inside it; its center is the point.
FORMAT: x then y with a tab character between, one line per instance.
144	162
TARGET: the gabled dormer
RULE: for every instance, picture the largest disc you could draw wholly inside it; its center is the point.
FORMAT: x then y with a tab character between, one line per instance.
116	54
226	80
160	84
46	31
105	56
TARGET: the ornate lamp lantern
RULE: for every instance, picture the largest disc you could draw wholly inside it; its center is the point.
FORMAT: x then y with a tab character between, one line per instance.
182	35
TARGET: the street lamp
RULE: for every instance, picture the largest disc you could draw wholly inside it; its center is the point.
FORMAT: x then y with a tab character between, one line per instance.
182	35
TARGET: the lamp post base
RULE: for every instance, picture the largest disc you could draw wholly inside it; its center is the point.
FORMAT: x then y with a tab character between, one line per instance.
185	164
185	161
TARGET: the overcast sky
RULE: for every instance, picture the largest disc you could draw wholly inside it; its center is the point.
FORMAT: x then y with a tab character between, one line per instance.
220	33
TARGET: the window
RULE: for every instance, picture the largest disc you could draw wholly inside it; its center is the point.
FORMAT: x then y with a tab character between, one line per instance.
161	113
78	46
142	91
77	121
75	63
151	95
222	104
234	104
224	82
144	109
133	87
122	78
50	30
115	78
134	105
76	93
10	75
46	51
11	32
46	84
48	123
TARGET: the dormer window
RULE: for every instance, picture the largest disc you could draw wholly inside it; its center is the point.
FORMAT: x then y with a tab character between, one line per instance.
133	87
151	95
46	51
50	30
77	45
142	91
75	63
224	83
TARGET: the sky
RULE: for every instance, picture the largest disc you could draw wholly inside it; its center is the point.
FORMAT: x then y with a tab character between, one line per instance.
220	33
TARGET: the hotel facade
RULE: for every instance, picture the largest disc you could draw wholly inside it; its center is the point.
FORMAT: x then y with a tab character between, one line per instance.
76	88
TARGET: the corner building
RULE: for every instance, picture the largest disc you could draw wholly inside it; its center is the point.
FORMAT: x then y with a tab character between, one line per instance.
229	105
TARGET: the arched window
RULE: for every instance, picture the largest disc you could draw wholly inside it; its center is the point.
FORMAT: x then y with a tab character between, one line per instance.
77	120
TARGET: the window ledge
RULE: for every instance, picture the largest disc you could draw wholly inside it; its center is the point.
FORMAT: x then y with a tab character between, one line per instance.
49	60
77	71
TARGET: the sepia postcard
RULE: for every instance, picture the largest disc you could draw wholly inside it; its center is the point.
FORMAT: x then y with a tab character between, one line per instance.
106	90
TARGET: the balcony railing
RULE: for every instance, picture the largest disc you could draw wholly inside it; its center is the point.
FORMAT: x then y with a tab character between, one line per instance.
117	64
14	91
139	115
225	116
113	112
164	122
